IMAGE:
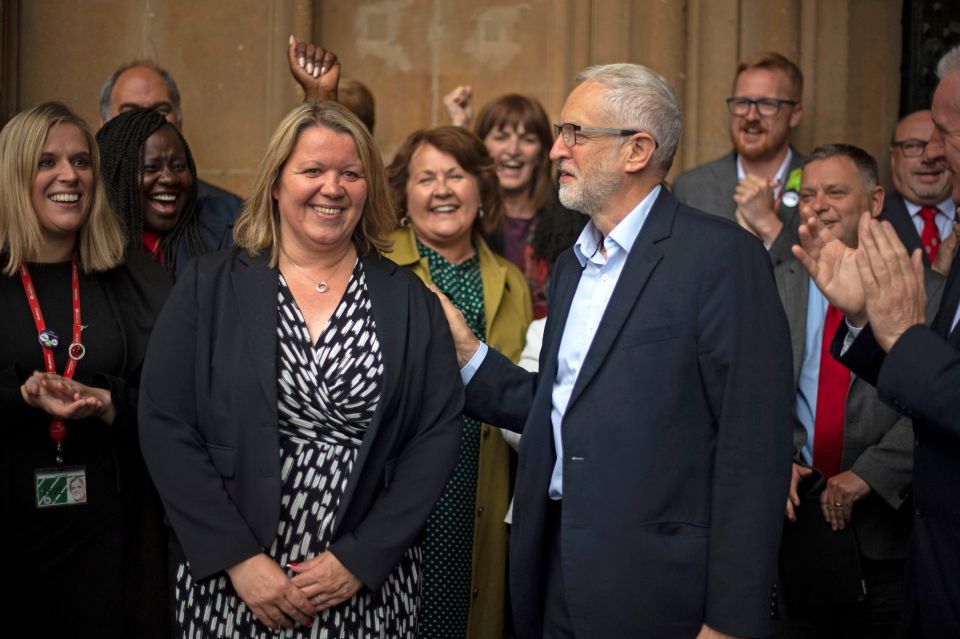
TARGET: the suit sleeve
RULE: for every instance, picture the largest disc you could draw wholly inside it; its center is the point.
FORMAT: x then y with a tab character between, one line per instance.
920	377
780	249
500	393
423	467
887	466
745	354
212	532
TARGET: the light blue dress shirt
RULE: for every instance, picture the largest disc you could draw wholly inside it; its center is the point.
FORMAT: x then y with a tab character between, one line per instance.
597	283
810	369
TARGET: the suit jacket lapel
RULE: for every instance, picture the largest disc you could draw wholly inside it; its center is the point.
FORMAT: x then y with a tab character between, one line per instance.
895	212
948	305
793	285
726	184
255	286
564	281
640	264
388	304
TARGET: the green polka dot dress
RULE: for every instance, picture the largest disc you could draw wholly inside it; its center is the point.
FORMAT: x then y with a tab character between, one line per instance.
448	546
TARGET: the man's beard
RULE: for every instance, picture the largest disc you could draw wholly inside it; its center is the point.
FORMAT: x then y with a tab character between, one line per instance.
771	145
590	193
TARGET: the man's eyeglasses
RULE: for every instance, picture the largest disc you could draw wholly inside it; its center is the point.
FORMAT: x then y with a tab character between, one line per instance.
911	148
766	107
569	131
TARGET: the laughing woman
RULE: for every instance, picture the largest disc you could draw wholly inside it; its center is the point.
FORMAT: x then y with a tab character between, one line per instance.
158	202
444	184
81	523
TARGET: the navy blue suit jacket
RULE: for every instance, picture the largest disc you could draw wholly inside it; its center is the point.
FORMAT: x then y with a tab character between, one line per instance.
677	440
920	377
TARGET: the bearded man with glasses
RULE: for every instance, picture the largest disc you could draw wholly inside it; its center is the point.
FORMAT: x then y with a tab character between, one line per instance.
653	469
756	183
921	209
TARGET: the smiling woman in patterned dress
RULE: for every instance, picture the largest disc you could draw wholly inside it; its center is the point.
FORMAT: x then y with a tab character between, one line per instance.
444	183
301	404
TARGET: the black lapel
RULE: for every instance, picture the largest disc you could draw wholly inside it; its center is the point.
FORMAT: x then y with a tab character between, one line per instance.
895	212
256	287
564	283
948	304
388	304
641	262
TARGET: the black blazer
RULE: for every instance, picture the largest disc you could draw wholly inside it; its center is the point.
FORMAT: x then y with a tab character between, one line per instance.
895	212
208	421
677	440
920	377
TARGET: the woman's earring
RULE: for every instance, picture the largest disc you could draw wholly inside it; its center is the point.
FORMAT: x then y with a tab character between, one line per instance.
404	221
480	212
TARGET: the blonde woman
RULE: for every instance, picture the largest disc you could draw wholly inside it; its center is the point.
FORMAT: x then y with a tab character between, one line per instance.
75	327
301	404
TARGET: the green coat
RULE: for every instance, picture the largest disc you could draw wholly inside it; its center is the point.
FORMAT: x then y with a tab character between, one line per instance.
508	310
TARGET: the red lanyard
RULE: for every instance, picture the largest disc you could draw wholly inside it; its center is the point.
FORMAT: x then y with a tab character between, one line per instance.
48	341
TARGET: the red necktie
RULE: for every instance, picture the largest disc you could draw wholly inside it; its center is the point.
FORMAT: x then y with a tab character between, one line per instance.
930	236
832	385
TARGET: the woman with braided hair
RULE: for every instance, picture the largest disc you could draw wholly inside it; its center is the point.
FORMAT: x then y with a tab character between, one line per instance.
151	180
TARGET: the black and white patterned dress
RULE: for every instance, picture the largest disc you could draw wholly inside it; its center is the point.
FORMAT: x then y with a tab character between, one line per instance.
327	395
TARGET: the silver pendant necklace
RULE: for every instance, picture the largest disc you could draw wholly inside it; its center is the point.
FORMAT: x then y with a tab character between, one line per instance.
321	285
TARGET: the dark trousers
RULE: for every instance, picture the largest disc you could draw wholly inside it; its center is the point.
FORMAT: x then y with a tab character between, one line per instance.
877	617
556	615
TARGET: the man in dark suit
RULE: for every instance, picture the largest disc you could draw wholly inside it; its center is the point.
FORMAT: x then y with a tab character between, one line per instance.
755	184
861	447
920	209
144	84
915	369
653	468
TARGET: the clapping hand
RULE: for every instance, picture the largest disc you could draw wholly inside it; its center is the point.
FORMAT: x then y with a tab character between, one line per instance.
66	399
892	282
948	249
315	69
756	207
833	267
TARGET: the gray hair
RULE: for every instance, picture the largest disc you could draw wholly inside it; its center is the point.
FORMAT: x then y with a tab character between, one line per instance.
640	98
111	81
949	63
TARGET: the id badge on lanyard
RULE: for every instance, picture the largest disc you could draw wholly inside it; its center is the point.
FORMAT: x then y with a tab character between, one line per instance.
61	485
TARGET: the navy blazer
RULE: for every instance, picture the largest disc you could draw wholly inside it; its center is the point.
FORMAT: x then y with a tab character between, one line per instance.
920	378
895	212
208	417
677	440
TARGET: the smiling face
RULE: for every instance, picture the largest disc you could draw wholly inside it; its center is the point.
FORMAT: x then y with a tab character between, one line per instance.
761	138
63	186
921	182
320	192
442	199
833	191
517	154
167	181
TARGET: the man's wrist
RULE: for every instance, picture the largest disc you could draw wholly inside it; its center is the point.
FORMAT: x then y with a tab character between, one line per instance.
769	229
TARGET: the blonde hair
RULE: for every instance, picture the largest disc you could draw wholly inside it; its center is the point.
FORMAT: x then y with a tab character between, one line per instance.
258	226
100	239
